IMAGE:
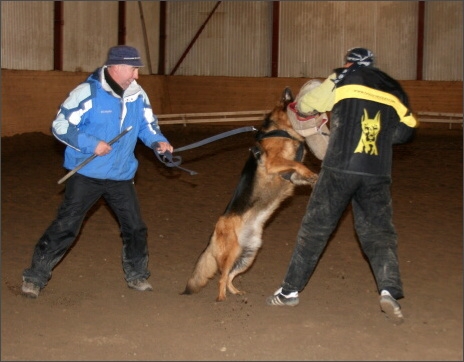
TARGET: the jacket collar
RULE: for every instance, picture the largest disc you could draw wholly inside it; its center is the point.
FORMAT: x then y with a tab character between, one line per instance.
133	88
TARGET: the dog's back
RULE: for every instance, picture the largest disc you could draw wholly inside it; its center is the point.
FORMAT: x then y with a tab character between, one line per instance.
269	176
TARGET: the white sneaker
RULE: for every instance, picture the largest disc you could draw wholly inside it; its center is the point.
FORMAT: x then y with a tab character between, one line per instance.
140	284
30	289
390	307
279	299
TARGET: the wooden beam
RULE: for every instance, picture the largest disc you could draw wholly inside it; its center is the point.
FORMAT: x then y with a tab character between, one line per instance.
420	41
162	38
58	36
275	38
121	22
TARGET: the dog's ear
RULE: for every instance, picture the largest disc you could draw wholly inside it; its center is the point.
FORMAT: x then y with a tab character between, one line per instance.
287	97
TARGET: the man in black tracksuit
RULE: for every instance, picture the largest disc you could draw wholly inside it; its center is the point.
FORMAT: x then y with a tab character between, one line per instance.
369	113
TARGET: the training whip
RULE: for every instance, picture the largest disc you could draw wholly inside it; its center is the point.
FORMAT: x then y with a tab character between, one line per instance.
72	172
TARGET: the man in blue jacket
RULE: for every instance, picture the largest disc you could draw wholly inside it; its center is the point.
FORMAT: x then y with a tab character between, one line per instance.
369	113
95	112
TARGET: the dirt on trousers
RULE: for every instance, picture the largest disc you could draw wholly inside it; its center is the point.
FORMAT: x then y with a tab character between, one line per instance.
87	312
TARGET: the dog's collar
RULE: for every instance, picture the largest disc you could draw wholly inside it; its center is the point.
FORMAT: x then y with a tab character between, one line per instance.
256	150
281	133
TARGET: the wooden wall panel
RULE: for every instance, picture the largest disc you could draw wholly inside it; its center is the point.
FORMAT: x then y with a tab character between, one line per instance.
27	34
30	99
90	28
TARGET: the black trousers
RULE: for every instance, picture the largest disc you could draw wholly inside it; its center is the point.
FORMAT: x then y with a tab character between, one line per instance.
372	209
81	194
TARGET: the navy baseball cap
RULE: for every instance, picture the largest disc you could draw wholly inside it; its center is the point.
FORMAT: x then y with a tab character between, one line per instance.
124	54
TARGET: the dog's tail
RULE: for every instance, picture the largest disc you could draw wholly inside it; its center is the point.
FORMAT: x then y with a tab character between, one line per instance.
205	269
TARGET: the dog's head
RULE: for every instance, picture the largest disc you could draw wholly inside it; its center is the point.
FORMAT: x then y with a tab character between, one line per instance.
278	117
286	98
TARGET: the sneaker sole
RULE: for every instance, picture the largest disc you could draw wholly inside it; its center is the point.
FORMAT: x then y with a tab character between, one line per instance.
29	290
29	294
391	310
147	288
142	290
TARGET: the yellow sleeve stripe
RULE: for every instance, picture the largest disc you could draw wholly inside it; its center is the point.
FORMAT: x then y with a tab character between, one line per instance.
363	92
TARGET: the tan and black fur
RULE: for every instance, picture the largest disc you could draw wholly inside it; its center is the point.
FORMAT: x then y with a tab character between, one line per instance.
269	176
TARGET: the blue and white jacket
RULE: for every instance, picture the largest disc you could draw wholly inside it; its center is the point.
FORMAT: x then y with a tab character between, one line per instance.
93	112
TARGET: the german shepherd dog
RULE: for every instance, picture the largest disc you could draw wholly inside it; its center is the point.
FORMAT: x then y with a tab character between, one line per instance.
268	177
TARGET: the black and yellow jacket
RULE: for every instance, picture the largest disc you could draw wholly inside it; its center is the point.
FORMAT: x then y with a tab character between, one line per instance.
369	113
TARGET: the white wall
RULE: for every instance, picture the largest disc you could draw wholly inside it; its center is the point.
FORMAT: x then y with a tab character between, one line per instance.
314	35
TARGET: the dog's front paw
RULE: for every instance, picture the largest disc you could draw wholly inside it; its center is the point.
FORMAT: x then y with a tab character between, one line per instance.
313	179
298	179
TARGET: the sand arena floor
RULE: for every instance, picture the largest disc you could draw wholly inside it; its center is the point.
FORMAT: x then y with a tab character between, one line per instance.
87	312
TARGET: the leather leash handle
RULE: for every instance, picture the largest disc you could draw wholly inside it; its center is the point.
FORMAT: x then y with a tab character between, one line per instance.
171	161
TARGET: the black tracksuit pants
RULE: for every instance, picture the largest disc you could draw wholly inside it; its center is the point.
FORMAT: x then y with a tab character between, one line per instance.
81	194
372	209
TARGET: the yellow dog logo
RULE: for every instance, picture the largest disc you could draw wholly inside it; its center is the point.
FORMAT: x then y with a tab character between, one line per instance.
370	129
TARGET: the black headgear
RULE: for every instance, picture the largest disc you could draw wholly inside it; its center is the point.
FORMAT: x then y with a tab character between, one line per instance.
361	56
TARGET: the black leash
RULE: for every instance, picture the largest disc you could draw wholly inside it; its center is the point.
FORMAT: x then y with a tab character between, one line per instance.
174	161
215	138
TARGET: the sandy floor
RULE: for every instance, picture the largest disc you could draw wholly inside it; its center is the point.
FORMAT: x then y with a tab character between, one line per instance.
87	312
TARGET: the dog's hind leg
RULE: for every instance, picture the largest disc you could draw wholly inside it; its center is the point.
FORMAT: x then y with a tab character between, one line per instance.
227	250
241	265
250	240
227	264
205	269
